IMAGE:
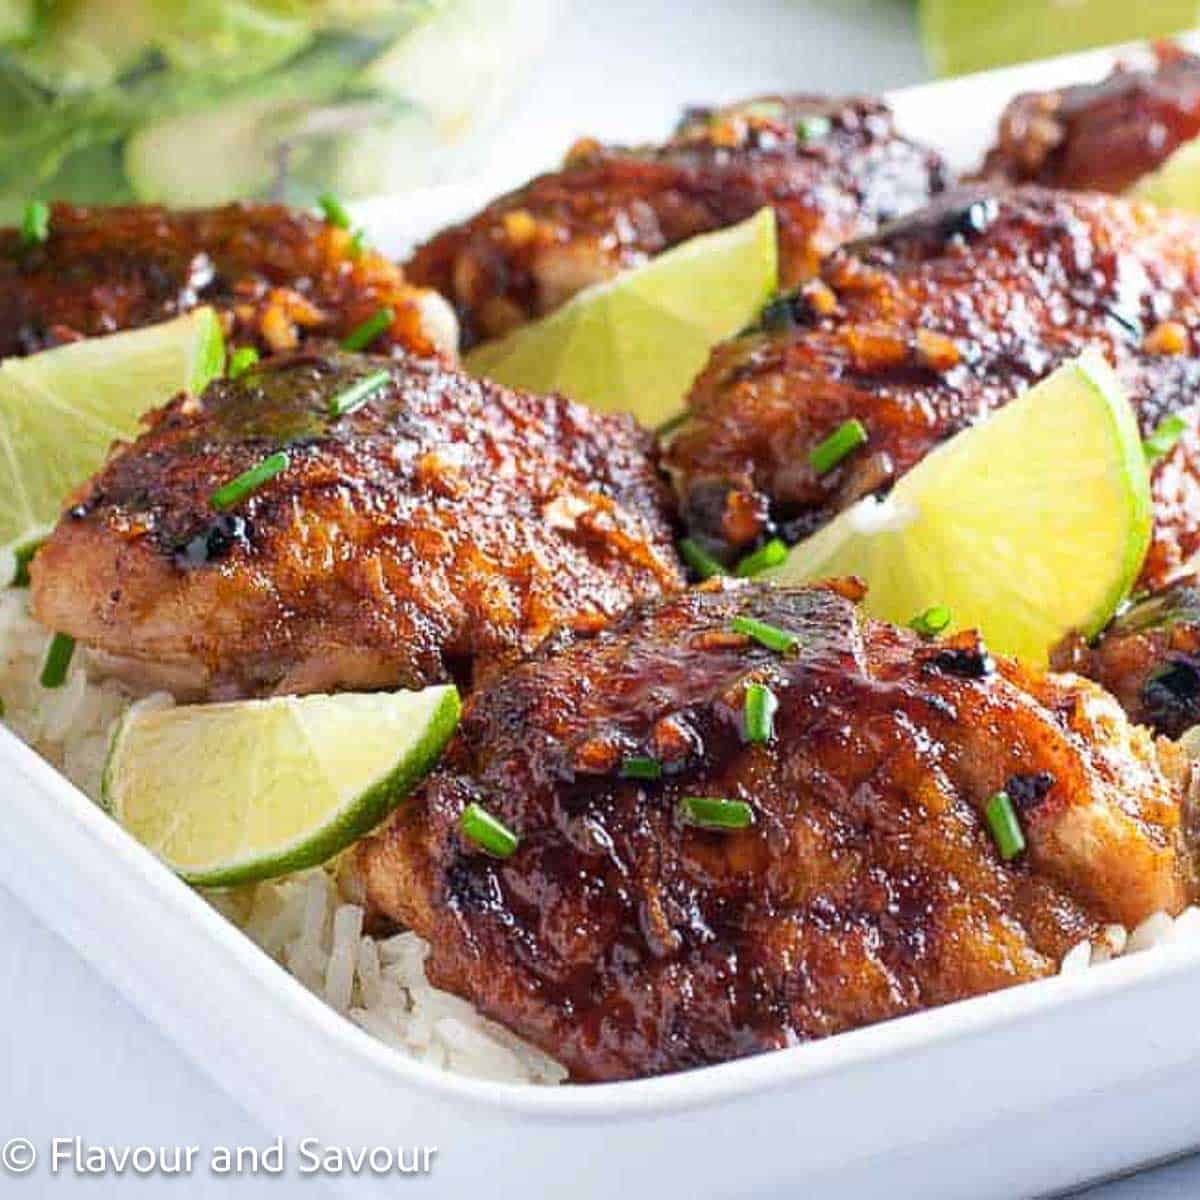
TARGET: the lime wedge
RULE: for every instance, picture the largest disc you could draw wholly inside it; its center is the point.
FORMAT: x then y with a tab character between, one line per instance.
1176	184
973	35
1027	527
228	794
635	343
61	410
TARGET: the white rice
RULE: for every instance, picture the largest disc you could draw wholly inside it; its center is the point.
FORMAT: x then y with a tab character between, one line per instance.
311	925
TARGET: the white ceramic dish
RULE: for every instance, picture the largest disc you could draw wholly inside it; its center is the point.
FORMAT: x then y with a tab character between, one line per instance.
1021	1092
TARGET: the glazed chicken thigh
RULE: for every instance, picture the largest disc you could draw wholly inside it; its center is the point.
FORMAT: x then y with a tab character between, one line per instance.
925	328
860	880
416	525
1100	136
277	275
1148	657
831	169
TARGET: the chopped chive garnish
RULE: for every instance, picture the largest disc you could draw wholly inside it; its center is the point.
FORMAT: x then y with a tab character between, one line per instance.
334	210
770	636
847	437
58	659
1006	829
241	360
639	766
759	713
357	241
711	813
931	622
479	826
35	223
355	396
812	127
22	557
236	490
363	335
699	559
1162	441
769	554
672	423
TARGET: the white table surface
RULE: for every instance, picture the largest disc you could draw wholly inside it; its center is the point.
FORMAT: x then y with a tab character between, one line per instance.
75	1057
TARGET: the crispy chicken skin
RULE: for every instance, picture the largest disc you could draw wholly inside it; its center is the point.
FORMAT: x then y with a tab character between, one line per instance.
440	530
1148	657
628	943
1100	136
832	169
924	329
278	275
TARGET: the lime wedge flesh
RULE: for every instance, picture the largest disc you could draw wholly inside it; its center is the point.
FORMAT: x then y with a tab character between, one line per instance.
61	410
1027	526
228	794
974	35
1176	184
635	343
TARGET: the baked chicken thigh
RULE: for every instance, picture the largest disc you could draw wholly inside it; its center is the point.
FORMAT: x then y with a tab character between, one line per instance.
925	328
691	884
277	275
340	521
831	169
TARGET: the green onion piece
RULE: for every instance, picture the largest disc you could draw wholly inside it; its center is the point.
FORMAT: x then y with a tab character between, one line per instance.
671	423
1162	441
931	622
711	813
699	559
1006	829
355	396
58	659
357	241
769	554
363	335
639	766
812	127
241	360
236	490
770	110
22	557
847	437
334	210
759	713
479	826
770	636
35	223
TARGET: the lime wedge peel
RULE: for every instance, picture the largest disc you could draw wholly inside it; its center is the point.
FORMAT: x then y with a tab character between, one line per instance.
975	35
635	343
61	410
227	794
1028	526
1176	184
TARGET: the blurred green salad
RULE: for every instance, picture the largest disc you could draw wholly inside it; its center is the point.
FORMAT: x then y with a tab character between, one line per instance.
193	102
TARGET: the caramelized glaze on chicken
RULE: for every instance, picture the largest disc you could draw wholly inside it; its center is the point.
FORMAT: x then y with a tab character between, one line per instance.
1148	657
439	530
1101	136
831	169
627	942
921	331
276	274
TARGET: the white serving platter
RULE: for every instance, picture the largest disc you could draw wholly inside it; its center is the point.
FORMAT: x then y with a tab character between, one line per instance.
1018	1093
